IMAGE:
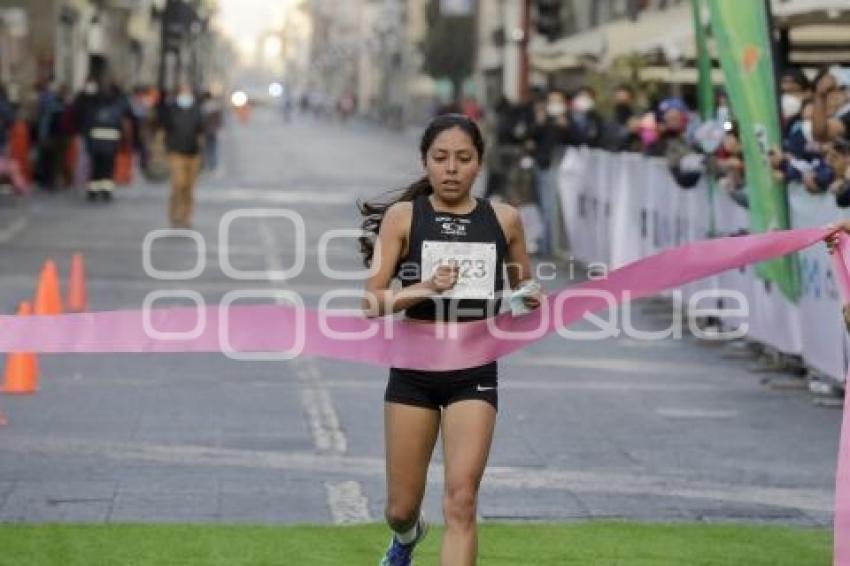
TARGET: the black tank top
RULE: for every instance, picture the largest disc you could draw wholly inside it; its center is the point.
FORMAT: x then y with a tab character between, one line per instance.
475	240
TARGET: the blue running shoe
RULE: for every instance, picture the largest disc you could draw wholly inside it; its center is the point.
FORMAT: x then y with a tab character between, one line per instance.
399	554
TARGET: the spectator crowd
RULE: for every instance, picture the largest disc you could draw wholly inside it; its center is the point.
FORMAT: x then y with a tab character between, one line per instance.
54	139
528	141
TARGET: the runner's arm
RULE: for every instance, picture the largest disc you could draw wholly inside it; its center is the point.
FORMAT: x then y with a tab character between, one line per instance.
518	263
379	299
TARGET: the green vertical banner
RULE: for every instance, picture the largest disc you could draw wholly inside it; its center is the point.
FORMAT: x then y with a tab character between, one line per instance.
742	33
705	94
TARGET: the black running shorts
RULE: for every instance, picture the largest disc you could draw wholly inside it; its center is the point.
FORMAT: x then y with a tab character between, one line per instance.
436	389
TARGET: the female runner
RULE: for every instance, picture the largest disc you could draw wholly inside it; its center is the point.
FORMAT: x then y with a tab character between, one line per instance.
448	250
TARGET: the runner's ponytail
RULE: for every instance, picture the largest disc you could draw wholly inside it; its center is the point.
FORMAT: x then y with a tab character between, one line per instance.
374	211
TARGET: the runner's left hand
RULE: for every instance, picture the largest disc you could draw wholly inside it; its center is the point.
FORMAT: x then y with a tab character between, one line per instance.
835	228
533	300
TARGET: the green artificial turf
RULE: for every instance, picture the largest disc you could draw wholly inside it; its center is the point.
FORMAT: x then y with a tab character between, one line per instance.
586	543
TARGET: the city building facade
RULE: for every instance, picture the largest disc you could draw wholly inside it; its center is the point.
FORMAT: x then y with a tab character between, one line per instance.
68	41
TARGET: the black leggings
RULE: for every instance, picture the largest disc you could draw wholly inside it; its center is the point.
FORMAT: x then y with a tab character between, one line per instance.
102	165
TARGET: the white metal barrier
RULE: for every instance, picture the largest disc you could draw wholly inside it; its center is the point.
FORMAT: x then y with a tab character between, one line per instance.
620	207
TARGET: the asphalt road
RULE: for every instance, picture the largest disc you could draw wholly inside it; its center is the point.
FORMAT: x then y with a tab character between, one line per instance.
666	430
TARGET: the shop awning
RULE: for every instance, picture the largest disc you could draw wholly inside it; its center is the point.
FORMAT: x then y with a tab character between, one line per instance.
819	33
802	12
677	75
820	43
670	30
568	53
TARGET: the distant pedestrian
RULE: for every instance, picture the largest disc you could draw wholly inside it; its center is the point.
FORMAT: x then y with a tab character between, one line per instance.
552	132
184	132
106	112
140	106
213	114
49	112
586	124
420	238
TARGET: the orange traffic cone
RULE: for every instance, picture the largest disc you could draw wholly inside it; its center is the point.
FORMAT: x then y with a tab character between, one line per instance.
21	376
77	296
123	171
47	298
19	148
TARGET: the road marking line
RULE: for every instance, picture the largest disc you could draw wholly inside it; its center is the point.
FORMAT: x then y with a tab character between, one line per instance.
9	232
346	500
318	406
347	503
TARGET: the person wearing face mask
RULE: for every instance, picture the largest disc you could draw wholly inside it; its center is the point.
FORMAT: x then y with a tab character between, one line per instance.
587	123
791	106
184	129
622	132
803	159
550	135
795	90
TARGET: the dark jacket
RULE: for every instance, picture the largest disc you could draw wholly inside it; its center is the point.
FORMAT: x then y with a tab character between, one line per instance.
550	138
183	128
587	128
104	122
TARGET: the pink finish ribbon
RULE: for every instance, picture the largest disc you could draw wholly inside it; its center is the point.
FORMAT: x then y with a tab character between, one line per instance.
841	521
383	342
387	342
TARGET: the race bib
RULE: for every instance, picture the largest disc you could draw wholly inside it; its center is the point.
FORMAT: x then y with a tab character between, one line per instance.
476	267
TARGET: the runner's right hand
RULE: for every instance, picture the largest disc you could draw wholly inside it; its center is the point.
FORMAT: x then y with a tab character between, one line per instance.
444	278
